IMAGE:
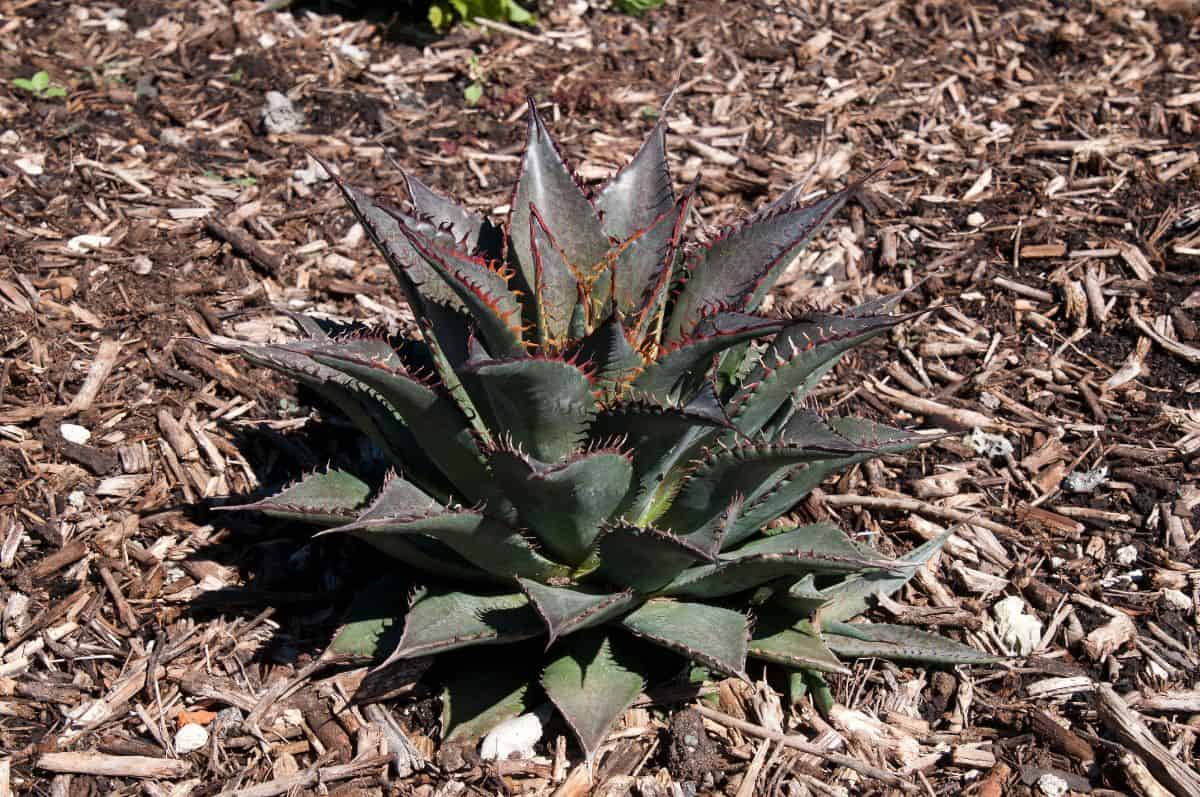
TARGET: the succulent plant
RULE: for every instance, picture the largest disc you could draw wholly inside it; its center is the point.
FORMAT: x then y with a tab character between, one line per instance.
592	439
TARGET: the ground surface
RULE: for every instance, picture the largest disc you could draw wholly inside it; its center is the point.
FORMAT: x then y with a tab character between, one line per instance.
1042	178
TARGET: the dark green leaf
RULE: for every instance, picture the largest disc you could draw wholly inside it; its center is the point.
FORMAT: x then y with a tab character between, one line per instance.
483	541
902	643
483	291
683	366
641	192
782	491
592	681
372	627
326	499
779	639
546	182
564	504
555	288
796	359
480	692
644	260
659	436
434	419
542	406
738	269
442	621
607	353
854	596
709	635
569	609
644	558
723	474
819	548
470	230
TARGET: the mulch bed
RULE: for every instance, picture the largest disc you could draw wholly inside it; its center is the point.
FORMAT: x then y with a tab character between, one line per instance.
1041	177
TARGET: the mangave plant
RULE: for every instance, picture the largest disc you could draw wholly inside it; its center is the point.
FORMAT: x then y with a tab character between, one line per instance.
592	438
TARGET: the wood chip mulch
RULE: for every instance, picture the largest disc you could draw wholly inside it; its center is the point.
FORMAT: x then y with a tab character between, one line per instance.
1042	177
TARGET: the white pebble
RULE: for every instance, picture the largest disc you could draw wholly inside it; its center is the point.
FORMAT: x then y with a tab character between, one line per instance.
279	115
82	243
990	445
976	219
190	738
74	433
1176	599
1126	555
1019	633
517	735
1052	785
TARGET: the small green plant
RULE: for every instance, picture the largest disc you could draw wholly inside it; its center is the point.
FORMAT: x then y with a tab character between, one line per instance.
595	438
40	86
444	13
474	92
637	6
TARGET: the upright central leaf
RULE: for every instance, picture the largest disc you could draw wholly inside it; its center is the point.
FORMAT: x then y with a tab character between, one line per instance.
547	183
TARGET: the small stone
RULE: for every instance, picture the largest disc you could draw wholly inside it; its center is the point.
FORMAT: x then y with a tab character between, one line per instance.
1176	599
279	115
85	243
174	137
74	433
31	165
76	498
976	219
990	445
190	738
1126	555
514	737
1052	785
1019	633
1085	481
141	265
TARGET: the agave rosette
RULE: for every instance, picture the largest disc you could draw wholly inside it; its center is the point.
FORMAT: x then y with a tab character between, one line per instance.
590	438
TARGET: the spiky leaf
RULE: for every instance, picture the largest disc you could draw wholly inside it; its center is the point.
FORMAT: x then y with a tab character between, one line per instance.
854	596
482	289
643	257
485	542
569	609
715	637
819	548
542	406
778	638
796	359
661	435
546	182
725	473
681	368
644	558
901	643
372	626
471	231
738	269
556	292
564	504
434	419
640	192
480	692
607	352
592	680
445	620
326	499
